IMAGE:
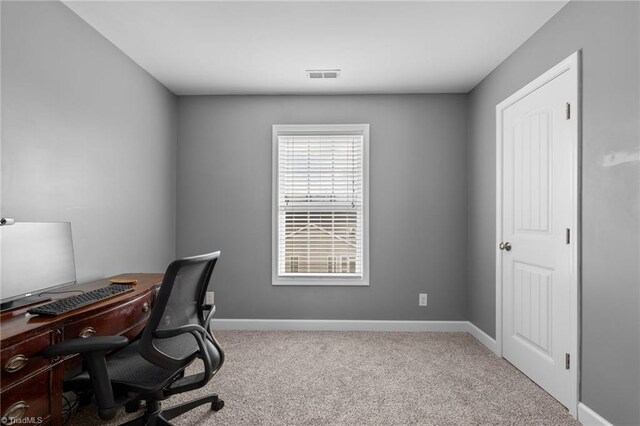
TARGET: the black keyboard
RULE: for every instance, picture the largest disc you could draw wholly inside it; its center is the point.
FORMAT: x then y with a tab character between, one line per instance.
62	306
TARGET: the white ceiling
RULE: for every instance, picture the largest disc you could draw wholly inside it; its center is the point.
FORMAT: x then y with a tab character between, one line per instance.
213	47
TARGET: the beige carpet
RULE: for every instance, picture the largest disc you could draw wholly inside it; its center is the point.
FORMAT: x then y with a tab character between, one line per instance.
364	378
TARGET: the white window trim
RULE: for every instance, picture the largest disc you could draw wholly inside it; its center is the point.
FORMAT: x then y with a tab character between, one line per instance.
294	129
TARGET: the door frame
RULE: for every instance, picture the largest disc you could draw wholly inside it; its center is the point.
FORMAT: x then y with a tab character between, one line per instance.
569	65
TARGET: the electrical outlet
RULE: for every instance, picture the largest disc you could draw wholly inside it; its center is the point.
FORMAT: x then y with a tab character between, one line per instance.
422	299
209	300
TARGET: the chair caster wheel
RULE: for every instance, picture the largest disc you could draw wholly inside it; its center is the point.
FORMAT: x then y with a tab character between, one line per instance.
217	405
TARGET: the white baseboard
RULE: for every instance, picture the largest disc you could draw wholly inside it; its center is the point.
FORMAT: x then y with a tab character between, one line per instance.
356	325
483	338
339	325
588	417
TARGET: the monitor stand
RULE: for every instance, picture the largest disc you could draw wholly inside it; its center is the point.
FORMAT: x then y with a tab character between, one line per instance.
22	302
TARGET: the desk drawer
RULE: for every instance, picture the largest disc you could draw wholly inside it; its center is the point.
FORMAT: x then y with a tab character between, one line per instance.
114	321
29	401
22	359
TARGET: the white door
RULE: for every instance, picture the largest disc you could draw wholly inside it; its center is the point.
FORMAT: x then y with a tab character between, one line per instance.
537	208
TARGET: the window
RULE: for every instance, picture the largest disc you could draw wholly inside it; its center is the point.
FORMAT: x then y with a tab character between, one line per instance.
320	204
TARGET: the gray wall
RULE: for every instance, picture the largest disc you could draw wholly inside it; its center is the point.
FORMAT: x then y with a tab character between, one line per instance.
608	34
87	137
417	203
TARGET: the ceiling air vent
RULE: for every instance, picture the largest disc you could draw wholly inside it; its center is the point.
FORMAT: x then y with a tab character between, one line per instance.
323	74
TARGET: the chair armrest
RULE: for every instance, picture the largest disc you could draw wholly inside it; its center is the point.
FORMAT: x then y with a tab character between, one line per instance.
81	346
200	335
212	337
93	350
207	321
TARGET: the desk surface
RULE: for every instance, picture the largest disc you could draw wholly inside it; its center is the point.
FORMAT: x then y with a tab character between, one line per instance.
16	324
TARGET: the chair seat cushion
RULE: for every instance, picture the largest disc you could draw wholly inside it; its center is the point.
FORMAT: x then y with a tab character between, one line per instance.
128	369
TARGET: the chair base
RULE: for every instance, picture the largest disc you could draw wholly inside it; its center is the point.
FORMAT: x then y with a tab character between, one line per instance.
156	416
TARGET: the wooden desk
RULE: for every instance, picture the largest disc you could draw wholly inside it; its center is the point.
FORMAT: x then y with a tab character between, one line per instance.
33	384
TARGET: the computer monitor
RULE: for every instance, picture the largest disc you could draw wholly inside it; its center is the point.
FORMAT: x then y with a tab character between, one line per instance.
36	256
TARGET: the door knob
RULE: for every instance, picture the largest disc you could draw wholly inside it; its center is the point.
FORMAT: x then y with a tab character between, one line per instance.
501	246
505	246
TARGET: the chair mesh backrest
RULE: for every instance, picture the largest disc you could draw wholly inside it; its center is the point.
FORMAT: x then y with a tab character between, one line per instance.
179	302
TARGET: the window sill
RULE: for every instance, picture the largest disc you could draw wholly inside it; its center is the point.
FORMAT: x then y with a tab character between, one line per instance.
320	282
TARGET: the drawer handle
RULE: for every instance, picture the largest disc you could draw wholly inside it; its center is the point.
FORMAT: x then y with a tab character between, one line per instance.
145	307
87	332
16	411
16	363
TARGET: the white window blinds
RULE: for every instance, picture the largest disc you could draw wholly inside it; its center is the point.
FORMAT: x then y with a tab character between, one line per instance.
320	205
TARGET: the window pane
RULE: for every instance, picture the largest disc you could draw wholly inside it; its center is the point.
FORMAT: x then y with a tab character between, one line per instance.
321	242
320	196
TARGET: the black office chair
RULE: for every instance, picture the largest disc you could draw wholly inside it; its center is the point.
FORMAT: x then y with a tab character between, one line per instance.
151	369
